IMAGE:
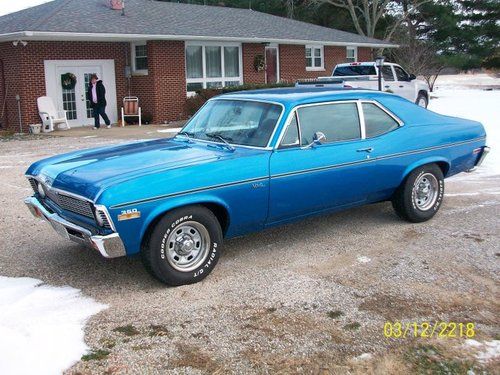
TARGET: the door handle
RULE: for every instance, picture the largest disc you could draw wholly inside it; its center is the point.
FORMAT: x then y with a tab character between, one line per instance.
401	86
368	149
387	86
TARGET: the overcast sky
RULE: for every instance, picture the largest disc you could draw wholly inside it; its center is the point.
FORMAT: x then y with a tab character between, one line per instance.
9	6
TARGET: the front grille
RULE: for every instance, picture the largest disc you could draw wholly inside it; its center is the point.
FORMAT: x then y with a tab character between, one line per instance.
66	202
103	218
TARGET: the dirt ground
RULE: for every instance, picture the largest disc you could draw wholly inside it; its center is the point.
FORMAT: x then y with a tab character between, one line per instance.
311	297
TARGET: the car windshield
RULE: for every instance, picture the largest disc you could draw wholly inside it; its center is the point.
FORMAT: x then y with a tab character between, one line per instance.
238	122
355	70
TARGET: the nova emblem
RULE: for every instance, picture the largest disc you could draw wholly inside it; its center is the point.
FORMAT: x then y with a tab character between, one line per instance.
129	214
257	185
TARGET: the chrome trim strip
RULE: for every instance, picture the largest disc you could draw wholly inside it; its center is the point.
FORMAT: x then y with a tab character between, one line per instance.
359	103
390	156
197	190
110	246
485	152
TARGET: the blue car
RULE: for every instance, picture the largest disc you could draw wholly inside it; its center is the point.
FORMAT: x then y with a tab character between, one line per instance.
248	161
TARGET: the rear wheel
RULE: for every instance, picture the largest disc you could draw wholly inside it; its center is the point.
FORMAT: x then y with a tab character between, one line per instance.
420	195
184	246
422	100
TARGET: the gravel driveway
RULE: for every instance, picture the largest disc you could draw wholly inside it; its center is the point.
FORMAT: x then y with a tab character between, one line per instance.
310	297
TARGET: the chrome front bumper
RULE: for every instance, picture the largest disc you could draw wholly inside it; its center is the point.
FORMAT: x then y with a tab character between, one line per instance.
110	246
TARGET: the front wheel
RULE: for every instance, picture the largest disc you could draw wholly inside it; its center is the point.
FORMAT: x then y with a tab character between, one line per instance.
420	195
184	246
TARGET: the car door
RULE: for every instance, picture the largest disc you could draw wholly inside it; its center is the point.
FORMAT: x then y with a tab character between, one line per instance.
389	80
405	87
306	179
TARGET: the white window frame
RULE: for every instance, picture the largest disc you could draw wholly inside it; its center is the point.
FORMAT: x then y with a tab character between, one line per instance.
133	55
351	48
205	80
313	47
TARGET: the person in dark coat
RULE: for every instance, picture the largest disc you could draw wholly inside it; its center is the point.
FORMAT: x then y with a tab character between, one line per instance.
96	94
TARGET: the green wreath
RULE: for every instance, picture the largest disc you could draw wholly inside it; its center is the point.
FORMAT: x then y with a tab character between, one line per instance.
68	81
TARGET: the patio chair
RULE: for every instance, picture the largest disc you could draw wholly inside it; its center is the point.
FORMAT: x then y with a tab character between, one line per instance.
50	115
131	109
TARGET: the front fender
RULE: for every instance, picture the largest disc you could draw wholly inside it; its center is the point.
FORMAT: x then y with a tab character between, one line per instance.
133	231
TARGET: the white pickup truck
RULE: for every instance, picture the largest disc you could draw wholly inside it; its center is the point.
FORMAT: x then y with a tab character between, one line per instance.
394	79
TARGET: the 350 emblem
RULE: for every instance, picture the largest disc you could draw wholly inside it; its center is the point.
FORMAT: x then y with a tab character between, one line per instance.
129	214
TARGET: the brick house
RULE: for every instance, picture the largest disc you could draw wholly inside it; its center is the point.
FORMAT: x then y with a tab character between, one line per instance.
159	51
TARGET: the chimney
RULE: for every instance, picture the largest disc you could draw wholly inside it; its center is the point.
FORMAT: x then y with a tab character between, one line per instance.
117	4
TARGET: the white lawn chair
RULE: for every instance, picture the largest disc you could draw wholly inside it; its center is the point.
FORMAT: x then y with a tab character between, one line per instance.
131	109
50	115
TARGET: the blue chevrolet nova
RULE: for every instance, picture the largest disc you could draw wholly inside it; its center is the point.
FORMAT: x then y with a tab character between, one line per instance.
248	161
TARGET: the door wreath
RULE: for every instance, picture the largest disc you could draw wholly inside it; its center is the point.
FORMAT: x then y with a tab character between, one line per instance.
68	81
259	63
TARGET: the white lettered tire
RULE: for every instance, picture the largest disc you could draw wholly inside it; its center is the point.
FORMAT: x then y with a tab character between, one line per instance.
184	246
420	195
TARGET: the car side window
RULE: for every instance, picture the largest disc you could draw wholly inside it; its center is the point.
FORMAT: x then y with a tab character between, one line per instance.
377	121
387	73
291	137
401	74
339	122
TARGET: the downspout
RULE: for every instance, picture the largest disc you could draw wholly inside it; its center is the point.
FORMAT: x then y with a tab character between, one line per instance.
4	116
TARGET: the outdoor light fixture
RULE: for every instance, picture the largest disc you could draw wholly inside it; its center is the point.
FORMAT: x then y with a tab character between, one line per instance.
379	61
23	42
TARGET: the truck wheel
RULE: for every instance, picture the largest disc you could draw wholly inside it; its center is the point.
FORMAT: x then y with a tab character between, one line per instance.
184	246
420	195
422	100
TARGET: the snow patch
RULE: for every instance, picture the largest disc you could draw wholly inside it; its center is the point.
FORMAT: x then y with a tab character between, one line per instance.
486	351
363	259
363	357
170	130
41	326
478	105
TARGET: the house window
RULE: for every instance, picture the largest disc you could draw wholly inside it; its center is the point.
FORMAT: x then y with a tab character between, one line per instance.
314	58
212	66
351	54
140	58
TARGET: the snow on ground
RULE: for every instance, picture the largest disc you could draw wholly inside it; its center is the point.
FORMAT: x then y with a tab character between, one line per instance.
475	104
485	351
41	326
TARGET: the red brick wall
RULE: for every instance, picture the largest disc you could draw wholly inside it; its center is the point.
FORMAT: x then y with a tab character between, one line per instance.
162	92
249	51
166	62
365	54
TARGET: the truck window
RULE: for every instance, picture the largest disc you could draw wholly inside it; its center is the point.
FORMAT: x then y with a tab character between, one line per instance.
401	74
387	73
354	70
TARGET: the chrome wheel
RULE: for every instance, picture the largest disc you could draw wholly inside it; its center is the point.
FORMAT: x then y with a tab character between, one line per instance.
425	191
422	102
188	246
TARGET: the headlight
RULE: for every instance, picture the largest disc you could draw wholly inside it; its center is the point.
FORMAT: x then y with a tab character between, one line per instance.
40	189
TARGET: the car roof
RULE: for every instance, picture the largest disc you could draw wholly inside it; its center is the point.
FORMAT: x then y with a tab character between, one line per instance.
292	96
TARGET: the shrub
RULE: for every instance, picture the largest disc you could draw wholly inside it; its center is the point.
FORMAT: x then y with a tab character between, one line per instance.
194	103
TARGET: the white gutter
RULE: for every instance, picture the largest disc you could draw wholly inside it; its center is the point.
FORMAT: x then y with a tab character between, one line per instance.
108	37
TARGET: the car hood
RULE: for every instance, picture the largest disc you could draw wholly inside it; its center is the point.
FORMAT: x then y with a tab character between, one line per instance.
88	172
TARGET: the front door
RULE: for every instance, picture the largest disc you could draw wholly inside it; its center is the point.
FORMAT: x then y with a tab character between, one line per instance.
74	100
272	65
334	174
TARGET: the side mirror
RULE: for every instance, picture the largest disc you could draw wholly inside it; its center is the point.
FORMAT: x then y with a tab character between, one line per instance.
411	77
318	137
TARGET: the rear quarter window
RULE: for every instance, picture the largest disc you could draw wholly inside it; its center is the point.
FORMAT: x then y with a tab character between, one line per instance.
377	121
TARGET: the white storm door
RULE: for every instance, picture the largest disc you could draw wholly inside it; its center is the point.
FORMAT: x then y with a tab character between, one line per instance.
74	100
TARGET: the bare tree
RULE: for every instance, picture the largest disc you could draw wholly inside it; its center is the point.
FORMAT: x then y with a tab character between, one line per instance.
418	57
366	14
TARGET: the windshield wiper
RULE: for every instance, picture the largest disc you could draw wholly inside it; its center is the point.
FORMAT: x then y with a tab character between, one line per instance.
187	134
225	140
